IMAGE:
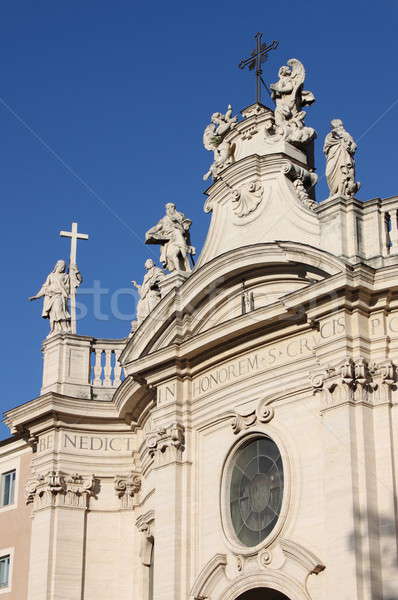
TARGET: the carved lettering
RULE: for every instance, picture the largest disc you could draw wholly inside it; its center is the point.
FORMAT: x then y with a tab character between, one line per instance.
97	443
266	358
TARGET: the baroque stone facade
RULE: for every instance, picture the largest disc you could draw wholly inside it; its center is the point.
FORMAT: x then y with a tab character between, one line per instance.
244	436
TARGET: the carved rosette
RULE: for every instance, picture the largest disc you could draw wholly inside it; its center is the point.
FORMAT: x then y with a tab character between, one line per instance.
355	381
247	198
126	487
56	488
166	442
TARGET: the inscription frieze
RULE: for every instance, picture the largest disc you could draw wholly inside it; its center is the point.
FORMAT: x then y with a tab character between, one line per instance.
266	358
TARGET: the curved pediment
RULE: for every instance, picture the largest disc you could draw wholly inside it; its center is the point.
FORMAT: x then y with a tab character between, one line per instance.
237	282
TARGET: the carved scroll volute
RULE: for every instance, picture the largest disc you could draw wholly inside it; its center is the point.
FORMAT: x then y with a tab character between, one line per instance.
55	488
166	443
242	420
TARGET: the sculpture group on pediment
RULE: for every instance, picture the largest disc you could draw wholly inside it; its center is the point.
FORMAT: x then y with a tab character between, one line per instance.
149	291
173	235
290	98
214	140
339	149
56	292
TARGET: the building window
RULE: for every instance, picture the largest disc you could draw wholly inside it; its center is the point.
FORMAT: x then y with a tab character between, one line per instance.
7	488
4	571
255	490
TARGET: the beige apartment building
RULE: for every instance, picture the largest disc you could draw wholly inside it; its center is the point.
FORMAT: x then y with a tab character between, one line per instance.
242	441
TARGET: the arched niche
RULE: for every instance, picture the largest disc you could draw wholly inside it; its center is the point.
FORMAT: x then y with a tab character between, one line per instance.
262	594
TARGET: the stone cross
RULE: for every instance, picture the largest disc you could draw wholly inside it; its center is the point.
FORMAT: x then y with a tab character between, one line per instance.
74	235
258	56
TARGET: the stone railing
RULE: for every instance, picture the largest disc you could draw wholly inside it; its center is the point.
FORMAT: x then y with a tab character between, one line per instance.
389	209
82	366
105	369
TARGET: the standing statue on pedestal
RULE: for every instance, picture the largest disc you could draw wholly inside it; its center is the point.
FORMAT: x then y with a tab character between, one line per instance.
290	98
339	148
56	291
172	232
149	291
213	139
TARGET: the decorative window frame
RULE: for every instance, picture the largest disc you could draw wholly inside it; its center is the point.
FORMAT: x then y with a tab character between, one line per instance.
8	552
230	537
6	465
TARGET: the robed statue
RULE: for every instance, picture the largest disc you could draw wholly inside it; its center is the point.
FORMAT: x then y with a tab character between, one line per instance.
172	233
56	292
340	148
149	290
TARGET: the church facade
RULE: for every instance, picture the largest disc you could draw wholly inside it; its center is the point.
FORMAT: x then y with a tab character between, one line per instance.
242	442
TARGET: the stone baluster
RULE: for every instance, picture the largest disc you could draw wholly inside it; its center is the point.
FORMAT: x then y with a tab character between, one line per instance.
117	370
394	232
108	368
98	367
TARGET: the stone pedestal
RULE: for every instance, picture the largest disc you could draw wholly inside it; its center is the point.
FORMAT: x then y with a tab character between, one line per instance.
173	280
66	368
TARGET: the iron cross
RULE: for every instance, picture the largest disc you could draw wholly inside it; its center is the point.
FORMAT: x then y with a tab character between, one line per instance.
74	235
258	56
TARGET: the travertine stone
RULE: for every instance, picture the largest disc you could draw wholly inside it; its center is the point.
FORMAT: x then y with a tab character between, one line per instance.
340	148
172	233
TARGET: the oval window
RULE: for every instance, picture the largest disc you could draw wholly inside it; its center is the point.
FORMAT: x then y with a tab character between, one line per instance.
256	490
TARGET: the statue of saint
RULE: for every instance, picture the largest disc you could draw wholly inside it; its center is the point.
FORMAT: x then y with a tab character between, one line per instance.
290	98
339	148
56	292
213	140
149	291
172	233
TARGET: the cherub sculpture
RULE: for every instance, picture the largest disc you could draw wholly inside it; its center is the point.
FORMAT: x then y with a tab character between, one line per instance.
290	98
214	140
339	148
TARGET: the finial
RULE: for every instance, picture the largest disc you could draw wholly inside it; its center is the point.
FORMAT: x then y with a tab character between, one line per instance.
257	57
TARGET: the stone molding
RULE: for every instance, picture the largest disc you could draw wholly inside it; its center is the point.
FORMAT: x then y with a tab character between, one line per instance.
127	487
144	524
58	489
356	381
306	559
166	442
243	420
215	565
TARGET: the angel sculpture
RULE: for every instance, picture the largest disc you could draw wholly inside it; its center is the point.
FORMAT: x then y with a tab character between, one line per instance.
214	140
290	98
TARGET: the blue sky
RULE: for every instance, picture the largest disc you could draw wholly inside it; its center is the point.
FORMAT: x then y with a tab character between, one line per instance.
102	109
